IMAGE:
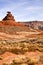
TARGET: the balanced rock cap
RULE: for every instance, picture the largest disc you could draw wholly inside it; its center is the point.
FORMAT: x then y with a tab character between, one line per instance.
9	16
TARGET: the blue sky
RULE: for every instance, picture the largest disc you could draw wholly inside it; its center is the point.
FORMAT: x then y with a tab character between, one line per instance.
22	10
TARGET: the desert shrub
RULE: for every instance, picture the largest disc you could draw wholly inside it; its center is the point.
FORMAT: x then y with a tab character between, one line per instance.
2	51
8	64
0	58
5	64
40	42
33	40
41	59
31	64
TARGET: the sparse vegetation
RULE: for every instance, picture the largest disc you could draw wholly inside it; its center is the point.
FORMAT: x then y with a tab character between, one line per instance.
21	47
28	45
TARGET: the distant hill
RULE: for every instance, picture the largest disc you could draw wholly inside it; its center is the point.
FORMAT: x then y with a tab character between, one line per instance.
34	24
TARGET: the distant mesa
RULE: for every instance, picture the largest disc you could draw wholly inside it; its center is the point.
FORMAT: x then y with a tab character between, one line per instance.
9	16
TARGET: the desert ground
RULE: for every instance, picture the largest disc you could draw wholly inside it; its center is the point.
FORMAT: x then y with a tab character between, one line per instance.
20	44
22	48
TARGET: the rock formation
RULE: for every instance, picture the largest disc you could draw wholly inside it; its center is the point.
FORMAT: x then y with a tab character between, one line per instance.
9	17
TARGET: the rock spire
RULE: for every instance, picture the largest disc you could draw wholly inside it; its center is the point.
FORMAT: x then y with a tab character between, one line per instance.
9	16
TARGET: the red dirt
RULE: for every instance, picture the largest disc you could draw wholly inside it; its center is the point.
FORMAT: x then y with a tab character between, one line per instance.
8	56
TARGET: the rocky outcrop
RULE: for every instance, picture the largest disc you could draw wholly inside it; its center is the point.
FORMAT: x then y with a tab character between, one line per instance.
9	20
9	16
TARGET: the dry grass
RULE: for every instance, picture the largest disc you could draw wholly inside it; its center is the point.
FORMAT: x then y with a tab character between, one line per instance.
30	48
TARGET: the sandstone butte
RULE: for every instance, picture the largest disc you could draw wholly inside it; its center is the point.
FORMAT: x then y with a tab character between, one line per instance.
9	20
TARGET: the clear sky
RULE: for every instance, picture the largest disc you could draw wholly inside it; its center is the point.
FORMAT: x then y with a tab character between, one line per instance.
22	10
